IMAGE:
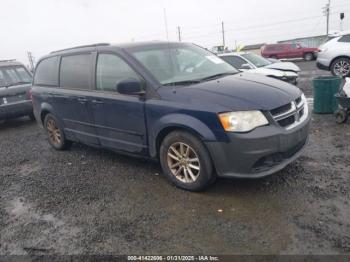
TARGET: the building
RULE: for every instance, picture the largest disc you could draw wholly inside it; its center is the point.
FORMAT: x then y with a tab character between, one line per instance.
312	41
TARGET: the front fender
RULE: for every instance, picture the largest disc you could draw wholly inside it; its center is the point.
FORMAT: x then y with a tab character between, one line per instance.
181	121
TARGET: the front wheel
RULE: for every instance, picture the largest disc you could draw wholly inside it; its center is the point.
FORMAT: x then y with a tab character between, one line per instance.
341	67
186	162
55	133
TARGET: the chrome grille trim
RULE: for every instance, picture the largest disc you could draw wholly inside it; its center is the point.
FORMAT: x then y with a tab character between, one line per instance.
299	111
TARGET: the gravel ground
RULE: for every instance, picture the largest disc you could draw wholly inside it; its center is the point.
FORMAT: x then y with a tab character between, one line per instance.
90	201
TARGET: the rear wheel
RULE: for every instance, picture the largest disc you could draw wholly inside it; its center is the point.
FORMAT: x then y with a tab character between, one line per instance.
55	133
309	56
341	67
31	116
274	57
341	116
186	162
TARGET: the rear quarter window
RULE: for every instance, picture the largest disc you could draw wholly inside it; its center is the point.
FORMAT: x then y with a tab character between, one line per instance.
46	72
344	39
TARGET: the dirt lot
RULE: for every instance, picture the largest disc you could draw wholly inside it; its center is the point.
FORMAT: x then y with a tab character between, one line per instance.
96	202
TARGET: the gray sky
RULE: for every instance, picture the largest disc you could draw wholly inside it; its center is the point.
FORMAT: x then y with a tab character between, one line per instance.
41	26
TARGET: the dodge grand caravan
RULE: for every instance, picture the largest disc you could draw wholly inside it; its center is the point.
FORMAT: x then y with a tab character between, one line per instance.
175	102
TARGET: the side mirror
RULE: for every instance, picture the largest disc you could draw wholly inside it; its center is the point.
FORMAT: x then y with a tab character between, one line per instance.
130	87
246	66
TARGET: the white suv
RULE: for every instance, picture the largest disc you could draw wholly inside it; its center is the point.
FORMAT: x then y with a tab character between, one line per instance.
334	55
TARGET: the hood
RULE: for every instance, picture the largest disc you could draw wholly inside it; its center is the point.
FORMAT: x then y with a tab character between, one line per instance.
243	91
284	66
272	72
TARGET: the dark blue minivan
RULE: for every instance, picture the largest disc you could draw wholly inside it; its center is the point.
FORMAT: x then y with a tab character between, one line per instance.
175	102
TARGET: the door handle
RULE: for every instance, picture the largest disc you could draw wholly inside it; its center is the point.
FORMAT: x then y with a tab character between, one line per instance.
82	100
97	102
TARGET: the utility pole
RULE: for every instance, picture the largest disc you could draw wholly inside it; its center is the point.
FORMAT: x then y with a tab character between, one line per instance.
166	25
342	15
179	33
326	12
223	34
31	61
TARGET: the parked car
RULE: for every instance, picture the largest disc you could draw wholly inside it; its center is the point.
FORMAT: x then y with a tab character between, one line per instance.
175	102
245	61
334	55
15	84
292	50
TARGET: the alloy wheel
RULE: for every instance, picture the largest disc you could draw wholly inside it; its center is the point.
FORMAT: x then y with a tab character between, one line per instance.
183	162
53	131
342	68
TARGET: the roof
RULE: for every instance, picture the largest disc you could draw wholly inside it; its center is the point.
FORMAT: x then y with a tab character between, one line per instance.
12	62
233	53
119	45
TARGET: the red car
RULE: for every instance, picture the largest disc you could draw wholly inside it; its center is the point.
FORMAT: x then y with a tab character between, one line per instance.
291	50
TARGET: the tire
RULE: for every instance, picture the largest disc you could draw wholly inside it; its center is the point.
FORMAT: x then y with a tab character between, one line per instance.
31	116
274	57
309	57
341	116
55	133
341	67
193	179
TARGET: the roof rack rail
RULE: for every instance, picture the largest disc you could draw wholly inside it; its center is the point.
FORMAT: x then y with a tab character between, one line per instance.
81	46
8	60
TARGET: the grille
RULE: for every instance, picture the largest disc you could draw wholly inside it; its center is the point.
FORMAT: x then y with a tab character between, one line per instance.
292	114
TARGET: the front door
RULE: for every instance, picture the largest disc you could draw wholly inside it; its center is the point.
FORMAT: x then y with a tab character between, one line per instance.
119	119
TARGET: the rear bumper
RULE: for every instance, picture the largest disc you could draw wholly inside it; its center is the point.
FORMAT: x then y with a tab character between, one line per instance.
17	109
259	153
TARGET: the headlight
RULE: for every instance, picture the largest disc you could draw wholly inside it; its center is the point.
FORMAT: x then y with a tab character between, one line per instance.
242	121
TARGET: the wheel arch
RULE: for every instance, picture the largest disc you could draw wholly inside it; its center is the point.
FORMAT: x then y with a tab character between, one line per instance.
341	56
45	109
179	122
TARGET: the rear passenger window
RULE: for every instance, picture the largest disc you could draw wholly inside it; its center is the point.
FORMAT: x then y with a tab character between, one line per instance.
46	72
76	72
344	39
235	61
111	70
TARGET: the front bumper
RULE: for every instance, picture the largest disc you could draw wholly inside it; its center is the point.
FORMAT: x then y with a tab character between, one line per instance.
322	66
16	109
259	153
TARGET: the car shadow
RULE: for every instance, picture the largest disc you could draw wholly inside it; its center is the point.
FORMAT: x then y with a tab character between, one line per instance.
15	123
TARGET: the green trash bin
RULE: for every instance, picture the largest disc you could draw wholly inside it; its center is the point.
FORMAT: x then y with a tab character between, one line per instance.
325	87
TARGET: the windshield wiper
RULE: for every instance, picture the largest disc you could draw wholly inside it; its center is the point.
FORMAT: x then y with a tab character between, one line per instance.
217	76
182	83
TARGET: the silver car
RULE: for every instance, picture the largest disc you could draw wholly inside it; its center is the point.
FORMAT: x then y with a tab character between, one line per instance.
334	55
253	63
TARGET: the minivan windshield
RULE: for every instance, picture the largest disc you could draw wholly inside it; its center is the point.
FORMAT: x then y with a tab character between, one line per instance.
14	75
182	64
256	60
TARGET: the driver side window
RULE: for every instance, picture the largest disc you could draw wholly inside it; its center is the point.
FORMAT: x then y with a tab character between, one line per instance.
110	71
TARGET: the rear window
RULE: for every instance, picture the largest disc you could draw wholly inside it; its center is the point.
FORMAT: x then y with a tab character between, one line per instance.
235	61
14	75
76	72
46	72
344	39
